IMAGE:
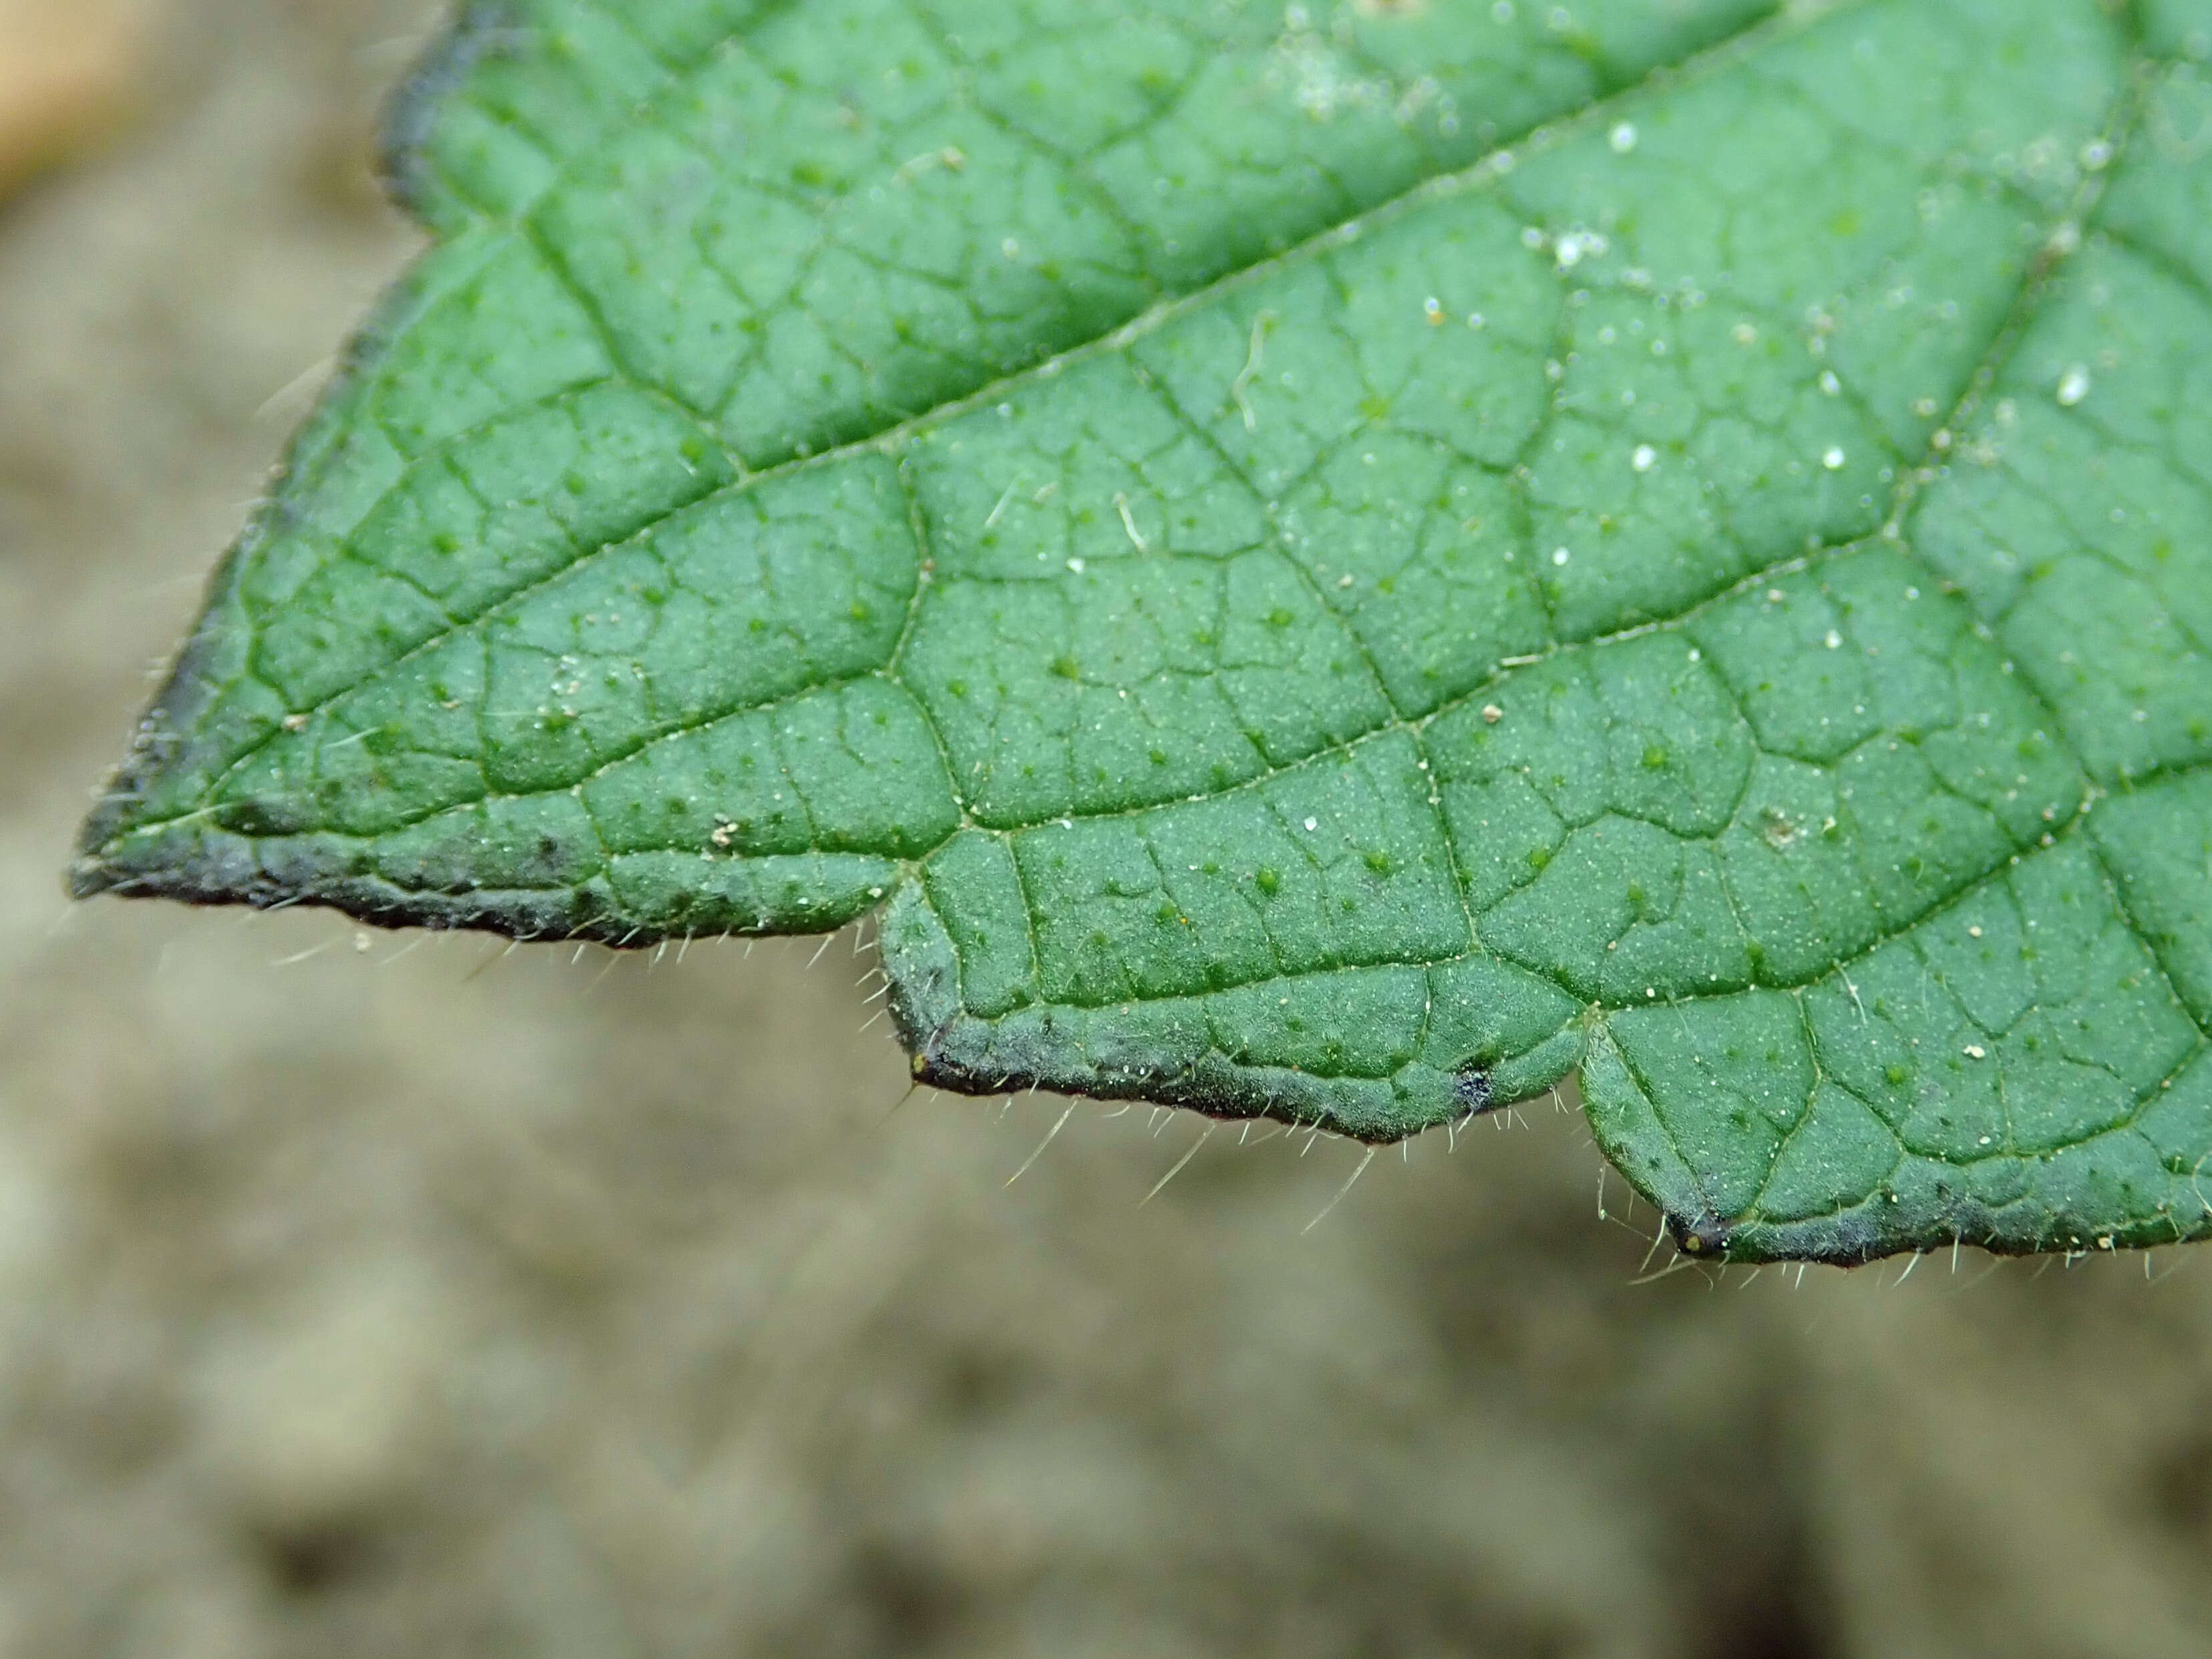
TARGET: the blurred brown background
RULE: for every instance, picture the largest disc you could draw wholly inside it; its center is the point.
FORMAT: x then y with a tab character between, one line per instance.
377	1295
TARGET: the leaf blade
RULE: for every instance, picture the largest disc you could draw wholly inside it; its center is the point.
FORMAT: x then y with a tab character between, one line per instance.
1556	613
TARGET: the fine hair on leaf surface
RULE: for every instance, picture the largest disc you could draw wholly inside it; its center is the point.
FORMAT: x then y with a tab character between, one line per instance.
1339	565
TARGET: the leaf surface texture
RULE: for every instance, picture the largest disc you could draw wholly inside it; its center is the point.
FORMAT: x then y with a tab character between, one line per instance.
1338	564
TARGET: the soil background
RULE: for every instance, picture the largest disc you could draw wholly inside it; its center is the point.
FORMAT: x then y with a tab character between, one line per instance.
379	1295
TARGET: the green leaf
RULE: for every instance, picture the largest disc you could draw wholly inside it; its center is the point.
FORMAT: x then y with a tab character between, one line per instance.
1340	564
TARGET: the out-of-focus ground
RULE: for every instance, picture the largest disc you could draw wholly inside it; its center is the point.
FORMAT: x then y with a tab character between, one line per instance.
376	1296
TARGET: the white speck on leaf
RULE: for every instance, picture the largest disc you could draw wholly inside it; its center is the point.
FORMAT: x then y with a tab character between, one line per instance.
1623	137
1644	458
1576	246
2073	386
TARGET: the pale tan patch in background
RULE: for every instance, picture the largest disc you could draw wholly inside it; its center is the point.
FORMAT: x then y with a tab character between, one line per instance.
71	73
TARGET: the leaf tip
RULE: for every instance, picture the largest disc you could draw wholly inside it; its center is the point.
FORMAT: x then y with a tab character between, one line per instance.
88	877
